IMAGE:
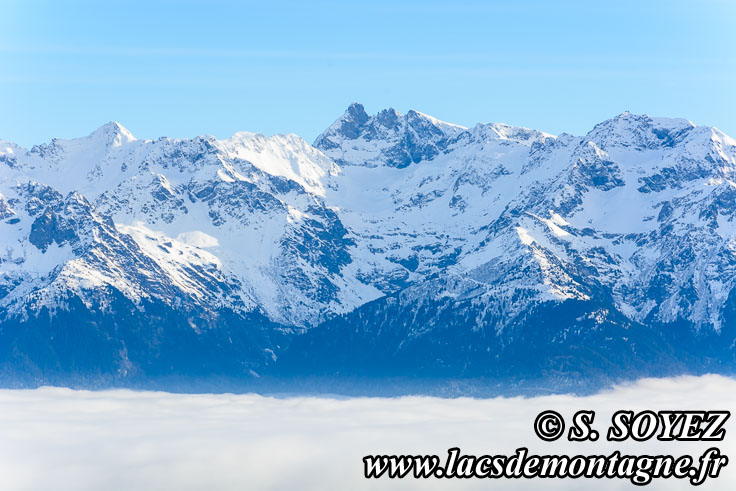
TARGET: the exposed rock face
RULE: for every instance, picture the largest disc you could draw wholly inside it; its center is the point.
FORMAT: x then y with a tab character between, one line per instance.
388	138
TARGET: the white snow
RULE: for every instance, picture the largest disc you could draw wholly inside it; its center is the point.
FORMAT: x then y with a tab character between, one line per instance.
235	204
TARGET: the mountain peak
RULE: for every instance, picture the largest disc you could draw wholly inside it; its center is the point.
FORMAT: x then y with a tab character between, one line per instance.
356	111
113	134
639	131
348	126
404	138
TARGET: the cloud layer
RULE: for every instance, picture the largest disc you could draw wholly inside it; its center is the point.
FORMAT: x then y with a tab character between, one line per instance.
53	438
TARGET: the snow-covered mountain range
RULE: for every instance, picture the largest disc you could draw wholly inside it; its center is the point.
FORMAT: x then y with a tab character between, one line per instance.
396	246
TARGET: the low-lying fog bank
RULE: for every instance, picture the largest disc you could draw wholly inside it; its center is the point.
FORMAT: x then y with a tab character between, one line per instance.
53	438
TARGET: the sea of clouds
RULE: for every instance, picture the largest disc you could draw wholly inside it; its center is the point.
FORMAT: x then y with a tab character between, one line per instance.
54	438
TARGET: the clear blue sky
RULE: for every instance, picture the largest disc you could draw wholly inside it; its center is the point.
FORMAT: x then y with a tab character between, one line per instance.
184	68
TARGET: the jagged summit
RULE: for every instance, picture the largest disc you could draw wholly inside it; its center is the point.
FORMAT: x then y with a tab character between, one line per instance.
348	125
387	138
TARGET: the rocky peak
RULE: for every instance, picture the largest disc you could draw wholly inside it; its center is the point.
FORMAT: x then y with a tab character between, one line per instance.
387	138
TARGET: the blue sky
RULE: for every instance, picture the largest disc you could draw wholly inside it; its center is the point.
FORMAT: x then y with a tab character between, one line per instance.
184	68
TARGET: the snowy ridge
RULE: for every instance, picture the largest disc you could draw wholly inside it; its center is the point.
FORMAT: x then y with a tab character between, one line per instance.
252	196
402	209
